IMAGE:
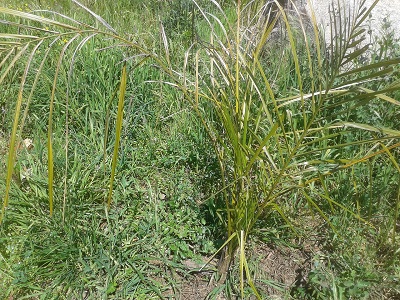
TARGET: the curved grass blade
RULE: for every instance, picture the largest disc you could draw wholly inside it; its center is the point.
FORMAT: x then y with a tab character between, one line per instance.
13	61
165	43
11	151
96	16
256	154
50	158
70	73
383	96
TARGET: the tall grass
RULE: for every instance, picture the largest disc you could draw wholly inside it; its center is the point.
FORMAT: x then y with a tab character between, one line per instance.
270	149
273	141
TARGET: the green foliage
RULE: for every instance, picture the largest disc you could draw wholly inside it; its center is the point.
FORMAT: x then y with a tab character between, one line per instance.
179	18
225	136
270	147
154	222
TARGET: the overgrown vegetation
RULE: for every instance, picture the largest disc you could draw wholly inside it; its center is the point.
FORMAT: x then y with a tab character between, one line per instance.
243	135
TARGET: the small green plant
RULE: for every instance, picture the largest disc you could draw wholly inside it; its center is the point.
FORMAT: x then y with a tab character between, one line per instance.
323	283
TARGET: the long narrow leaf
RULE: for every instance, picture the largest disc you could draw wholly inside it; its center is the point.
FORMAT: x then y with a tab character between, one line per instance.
50	155
96	16
11	151
28	16
367	127
118	129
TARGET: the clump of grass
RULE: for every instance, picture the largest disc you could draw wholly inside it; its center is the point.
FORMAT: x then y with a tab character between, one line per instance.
271	148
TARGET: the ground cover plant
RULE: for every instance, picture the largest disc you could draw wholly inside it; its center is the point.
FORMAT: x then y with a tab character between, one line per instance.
133	157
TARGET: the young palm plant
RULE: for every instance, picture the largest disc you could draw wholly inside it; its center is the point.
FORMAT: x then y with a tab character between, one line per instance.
270	148
270	143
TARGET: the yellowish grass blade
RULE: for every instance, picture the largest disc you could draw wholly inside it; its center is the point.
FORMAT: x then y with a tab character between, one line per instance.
293	48
269	26
219	250
244	268
237	70
27	27
321	213
262	145
13	138
382	96
96	16
397	205
50	159
36	18
316	37
10	52
242	258
16	36
122	90
396	215
13	62
249	280
107	126
165	42
388	131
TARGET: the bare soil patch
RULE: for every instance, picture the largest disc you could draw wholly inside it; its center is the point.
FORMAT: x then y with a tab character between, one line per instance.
276	270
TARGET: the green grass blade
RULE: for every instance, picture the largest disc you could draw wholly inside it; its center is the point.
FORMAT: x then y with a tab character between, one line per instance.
382	96
220	248
50	154
363	159
396	216
378	65
13	138
118	129
365	13
315	205
262	145
250	280
70	73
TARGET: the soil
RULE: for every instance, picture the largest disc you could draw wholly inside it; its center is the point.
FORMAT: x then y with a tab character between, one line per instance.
276	271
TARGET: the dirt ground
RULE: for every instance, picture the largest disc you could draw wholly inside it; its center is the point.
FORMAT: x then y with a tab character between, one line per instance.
277	269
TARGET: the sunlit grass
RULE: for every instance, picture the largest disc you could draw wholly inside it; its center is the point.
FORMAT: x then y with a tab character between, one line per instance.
215	143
